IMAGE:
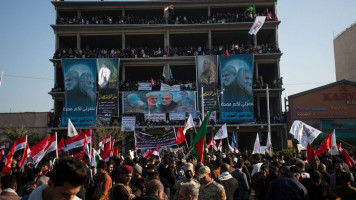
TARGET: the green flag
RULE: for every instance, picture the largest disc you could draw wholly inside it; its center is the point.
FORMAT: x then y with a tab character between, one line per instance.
249	9
199	141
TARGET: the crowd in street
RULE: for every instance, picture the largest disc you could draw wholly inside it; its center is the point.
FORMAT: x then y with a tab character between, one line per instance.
144	52
218	17
172	175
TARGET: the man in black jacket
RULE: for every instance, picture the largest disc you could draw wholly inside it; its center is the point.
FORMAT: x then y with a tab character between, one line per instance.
230	183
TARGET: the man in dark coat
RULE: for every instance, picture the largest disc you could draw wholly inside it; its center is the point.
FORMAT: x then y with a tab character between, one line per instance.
288	188
317	188
244	188
230	183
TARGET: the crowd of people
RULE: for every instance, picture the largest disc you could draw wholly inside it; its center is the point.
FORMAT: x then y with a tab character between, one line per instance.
218	17
174	175
134	85
144	52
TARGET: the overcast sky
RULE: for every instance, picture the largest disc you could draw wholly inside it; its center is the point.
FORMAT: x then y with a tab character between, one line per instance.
27	42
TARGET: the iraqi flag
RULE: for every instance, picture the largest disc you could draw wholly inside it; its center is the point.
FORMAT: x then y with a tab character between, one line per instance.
86	152
150	154
220	146
23	160
103	142
38	150
75	144
107	153
212	143
17	148
51	151
60	145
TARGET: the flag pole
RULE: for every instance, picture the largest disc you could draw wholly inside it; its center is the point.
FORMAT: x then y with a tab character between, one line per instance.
268	116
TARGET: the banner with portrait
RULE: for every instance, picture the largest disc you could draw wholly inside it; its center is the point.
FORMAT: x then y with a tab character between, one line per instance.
79	92
236	73
154	140
158	101
208	79
108	79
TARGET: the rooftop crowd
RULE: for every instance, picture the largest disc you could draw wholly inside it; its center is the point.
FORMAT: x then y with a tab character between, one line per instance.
173	175
218	17
145	52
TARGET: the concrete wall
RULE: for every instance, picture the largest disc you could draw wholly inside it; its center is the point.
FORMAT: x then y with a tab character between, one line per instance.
345	54
34	121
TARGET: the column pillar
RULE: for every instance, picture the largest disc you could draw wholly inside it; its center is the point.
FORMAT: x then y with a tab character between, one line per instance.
123	72
210	42
78	41
57	42
123	45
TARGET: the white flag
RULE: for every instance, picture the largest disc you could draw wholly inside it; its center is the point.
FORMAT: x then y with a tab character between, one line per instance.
303	133
260	20
189	124
71	129
132	154
222	133
334	150
257	146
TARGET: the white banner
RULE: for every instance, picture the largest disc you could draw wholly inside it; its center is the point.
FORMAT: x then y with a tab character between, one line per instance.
144	86
128	123
189	85
165	87
176	116
155	117
260	20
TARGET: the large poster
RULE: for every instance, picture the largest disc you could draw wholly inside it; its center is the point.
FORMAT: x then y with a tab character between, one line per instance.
236	73
208	79
108	103
79	92
108	79
153	140
158	102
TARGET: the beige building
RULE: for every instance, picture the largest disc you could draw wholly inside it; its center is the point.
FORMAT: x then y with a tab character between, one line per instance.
345	54
123	25
33	121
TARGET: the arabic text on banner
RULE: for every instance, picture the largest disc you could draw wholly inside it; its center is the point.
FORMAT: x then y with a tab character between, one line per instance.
148	140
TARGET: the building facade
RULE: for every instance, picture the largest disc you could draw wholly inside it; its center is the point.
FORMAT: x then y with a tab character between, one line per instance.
159	42
327	108
344	53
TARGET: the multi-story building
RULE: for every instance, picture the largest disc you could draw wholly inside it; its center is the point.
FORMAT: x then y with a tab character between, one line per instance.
150	41
344	48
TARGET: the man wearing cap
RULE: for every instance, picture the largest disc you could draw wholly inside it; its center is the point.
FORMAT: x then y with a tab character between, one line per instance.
122	189
189	178
137	180
209	189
